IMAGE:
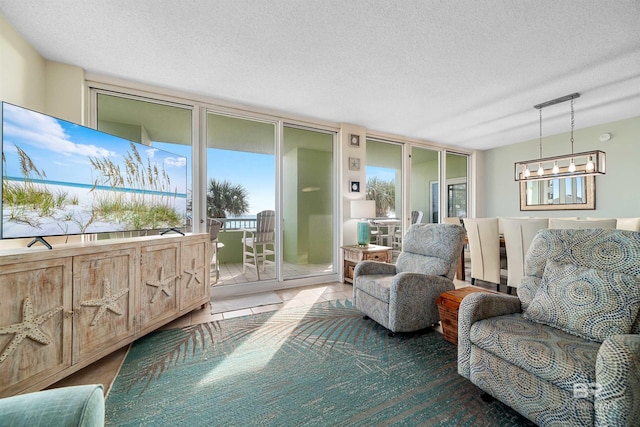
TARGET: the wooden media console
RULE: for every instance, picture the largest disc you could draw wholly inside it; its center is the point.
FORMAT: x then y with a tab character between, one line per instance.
65	308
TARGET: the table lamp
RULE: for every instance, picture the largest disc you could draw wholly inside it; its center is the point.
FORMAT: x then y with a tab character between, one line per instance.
363	209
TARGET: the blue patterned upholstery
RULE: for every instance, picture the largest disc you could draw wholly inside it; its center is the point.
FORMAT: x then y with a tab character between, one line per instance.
551	376
402	297
587	302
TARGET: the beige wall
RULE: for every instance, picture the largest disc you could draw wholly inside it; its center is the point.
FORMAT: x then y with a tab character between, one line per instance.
349	234
22	70
30	81
65	92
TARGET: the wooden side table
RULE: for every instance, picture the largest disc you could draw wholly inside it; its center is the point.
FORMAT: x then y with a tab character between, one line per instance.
351	255
448	306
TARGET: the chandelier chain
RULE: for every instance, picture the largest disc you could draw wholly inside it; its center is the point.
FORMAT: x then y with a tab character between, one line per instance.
540	138
572	125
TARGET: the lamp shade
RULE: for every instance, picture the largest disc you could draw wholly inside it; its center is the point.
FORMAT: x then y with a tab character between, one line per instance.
363	209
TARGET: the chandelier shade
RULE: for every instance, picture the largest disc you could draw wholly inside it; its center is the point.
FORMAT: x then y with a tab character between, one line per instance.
587	163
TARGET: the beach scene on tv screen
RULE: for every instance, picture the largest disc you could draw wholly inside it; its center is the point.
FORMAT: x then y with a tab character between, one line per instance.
61	178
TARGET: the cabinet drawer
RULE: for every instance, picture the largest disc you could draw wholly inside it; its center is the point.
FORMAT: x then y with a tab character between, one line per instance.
353	256
377	256
350	269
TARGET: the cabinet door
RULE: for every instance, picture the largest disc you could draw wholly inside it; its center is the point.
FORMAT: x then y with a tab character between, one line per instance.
103	300
194	283
35	322
158	289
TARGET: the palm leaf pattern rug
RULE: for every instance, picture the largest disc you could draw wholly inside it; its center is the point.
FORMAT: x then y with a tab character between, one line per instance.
320	365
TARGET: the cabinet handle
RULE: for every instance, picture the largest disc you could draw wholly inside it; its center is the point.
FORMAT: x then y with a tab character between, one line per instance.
68	314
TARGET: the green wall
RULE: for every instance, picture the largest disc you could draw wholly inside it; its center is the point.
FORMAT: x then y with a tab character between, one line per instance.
616	192
456	166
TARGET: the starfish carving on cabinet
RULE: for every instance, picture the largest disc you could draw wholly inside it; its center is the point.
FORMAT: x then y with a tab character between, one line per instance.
162	284
193	273
28	328
107	302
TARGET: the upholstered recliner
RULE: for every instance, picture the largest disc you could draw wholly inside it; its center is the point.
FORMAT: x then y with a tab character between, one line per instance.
402	297
566	351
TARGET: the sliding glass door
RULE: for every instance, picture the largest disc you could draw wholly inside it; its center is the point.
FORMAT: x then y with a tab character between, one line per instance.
241	195
384	185
457	185
424	185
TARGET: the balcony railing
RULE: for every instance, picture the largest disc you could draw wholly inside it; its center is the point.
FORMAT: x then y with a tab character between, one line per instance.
237	223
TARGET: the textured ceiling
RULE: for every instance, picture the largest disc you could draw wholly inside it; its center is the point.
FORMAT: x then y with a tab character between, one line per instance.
461	73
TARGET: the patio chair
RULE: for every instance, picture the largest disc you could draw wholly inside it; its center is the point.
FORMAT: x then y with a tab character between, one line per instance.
260	243
416	218
214	226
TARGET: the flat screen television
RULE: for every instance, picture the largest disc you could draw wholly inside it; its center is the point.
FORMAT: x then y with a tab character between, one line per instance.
60	178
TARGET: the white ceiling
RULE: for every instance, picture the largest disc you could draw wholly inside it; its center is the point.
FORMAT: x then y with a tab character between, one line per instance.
461	73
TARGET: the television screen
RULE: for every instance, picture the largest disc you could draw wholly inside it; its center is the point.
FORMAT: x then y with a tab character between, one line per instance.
60	178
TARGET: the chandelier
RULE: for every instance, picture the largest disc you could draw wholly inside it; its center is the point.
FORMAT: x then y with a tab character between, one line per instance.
570	165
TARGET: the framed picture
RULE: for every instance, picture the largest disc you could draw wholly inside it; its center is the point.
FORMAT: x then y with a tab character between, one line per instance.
354	186
354	164
558	194
354	140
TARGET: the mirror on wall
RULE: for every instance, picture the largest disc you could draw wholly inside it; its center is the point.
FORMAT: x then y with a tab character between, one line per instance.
558	194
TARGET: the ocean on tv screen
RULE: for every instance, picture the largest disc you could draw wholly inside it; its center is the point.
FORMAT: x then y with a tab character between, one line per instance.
61	178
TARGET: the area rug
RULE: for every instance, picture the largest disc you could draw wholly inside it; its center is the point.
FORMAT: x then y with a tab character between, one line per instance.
244	301
320	365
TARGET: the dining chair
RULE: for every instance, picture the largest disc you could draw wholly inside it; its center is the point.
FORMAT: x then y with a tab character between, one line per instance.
629	224
214	226
416	217
484	249
260	243
562	223
518	235
451	220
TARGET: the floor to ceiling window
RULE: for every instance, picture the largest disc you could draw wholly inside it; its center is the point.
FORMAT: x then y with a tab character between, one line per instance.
254	163
157	124
308	194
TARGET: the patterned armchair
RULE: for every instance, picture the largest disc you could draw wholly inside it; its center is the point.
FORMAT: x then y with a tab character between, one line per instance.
402	297
566	351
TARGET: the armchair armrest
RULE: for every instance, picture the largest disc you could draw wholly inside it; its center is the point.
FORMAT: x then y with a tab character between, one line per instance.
364	268
617	388
474	307
415	294
66	406
246	231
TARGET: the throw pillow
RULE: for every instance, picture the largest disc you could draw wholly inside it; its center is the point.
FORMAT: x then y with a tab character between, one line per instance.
590	303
